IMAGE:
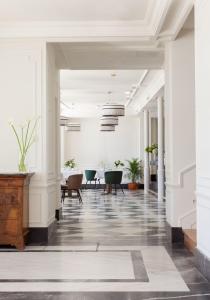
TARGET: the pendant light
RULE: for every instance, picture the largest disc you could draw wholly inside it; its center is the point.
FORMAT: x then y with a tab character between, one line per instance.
116	110
109	121
73	127
107	128
63	120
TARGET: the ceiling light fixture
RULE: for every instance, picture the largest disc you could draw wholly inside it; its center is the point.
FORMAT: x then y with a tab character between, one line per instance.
73	127
108	128
113	110
109	121
63	120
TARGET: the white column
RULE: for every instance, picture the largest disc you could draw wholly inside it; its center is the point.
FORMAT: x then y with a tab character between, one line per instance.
160	150
202	69
141	154
146	154
179	106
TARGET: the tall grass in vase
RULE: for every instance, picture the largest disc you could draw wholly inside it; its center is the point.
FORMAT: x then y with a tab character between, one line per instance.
25	136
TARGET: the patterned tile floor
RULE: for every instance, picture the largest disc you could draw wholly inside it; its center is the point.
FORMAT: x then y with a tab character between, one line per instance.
122	239
132	218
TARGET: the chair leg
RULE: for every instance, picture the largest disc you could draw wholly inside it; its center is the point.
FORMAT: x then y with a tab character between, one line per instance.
63	196
122	188
95	183
80	197
115	187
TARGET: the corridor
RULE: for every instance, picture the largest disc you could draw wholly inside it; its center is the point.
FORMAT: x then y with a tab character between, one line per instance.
110	247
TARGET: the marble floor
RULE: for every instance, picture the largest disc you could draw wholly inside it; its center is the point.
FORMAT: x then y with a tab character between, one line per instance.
110	247
130	218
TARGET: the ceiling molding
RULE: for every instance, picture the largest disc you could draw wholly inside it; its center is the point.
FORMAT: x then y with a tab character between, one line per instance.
144	30
132	96
151	92
160	16
180	20
149	30
75	29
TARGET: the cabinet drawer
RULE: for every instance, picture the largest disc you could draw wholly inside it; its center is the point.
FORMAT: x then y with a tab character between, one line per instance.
11	182
9	197
9	212
9	227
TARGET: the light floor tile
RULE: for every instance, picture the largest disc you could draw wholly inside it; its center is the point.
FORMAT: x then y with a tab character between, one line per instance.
70	248
92	287
162	273
66	265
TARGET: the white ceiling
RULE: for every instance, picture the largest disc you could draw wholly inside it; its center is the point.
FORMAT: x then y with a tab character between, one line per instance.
100	35
83	92
106	56
94	20
74	10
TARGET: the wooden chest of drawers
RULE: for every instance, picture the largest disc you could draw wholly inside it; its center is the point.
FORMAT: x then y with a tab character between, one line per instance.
14	209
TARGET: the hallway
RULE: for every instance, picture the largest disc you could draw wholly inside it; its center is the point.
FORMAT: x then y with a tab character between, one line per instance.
116	248
130	219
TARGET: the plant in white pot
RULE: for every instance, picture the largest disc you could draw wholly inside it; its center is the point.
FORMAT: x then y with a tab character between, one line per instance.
118	163
70	163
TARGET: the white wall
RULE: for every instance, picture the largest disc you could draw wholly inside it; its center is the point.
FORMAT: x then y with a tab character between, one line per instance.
53	132
180	127
202	50
90	147
24	94
20	97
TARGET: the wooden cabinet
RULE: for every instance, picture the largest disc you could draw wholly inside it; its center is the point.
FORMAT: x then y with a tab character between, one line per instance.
14	209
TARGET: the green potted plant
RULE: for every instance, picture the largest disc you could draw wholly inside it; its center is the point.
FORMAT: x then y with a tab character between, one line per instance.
70	163
134	172
25	136
153	149
118	163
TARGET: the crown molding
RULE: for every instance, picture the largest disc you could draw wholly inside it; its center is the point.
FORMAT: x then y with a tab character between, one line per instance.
74	29
146	30
170	35
159	16
149	94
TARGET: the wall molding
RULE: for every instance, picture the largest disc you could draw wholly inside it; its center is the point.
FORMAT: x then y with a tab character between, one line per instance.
189	213
155	87
181	175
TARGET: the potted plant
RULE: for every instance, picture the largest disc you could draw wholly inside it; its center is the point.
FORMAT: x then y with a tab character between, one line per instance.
25	136
134	172
153	149
118	163
70	163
